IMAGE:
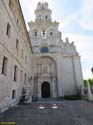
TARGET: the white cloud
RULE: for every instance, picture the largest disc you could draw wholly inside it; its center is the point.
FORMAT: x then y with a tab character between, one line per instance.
84	16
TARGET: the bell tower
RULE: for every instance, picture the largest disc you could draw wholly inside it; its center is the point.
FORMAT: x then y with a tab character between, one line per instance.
44	33
42	12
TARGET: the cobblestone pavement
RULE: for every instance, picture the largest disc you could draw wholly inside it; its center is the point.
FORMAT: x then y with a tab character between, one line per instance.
51	113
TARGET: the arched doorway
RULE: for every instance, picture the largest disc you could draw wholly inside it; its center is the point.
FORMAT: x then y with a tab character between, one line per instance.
45	90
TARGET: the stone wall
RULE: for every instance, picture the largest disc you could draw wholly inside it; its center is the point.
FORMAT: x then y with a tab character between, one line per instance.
8	49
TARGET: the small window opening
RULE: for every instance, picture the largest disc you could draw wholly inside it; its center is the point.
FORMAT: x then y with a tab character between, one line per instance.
4	66
13	94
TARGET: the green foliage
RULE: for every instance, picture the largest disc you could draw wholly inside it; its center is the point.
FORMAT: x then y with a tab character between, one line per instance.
90	80
73	97
85	83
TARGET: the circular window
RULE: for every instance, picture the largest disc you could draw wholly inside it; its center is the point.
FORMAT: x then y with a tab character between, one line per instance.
44	49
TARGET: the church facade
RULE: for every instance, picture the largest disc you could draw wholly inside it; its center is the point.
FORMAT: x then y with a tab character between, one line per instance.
56	64
37	64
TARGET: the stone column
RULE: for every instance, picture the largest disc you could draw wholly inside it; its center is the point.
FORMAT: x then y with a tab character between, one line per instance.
54	88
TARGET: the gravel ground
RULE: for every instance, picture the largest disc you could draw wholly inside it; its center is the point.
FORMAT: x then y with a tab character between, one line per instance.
50	113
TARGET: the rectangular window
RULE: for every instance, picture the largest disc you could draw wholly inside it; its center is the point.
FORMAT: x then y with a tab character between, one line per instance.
8	31
17	44
25	78
4	66
21	75
22	53
25	59
10	3
13	94
12	7
15	73
17	22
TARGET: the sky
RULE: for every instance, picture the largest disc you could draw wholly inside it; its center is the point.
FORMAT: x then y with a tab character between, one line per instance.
76	23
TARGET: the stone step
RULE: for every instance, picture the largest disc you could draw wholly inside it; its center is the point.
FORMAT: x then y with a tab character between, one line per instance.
48	99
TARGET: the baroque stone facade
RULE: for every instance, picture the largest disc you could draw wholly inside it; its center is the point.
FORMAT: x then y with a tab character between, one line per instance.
15	54
53	70
56	64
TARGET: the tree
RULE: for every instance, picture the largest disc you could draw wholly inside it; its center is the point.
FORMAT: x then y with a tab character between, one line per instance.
85	83
90	80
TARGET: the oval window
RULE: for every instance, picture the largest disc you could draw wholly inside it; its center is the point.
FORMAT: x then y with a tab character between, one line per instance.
44	49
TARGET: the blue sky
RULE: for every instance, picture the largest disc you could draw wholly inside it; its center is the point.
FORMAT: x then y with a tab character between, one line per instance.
76	22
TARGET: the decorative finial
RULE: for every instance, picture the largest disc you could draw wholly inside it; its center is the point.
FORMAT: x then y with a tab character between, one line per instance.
72	43
67	40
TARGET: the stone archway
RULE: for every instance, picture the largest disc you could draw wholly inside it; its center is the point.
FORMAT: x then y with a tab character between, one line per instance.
45	71
45	90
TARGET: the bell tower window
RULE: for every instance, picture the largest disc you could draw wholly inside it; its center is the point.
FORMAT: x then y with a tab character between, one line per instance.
35	33
46	17
43	32
51	33
40	17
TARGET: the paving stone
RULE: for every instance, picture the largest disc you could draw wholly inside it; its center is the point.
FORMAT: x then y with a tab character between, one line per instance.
67	113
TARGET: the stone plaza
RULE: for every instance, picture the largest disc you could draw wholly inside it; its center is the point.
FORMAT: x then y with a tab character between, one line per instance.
51	113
